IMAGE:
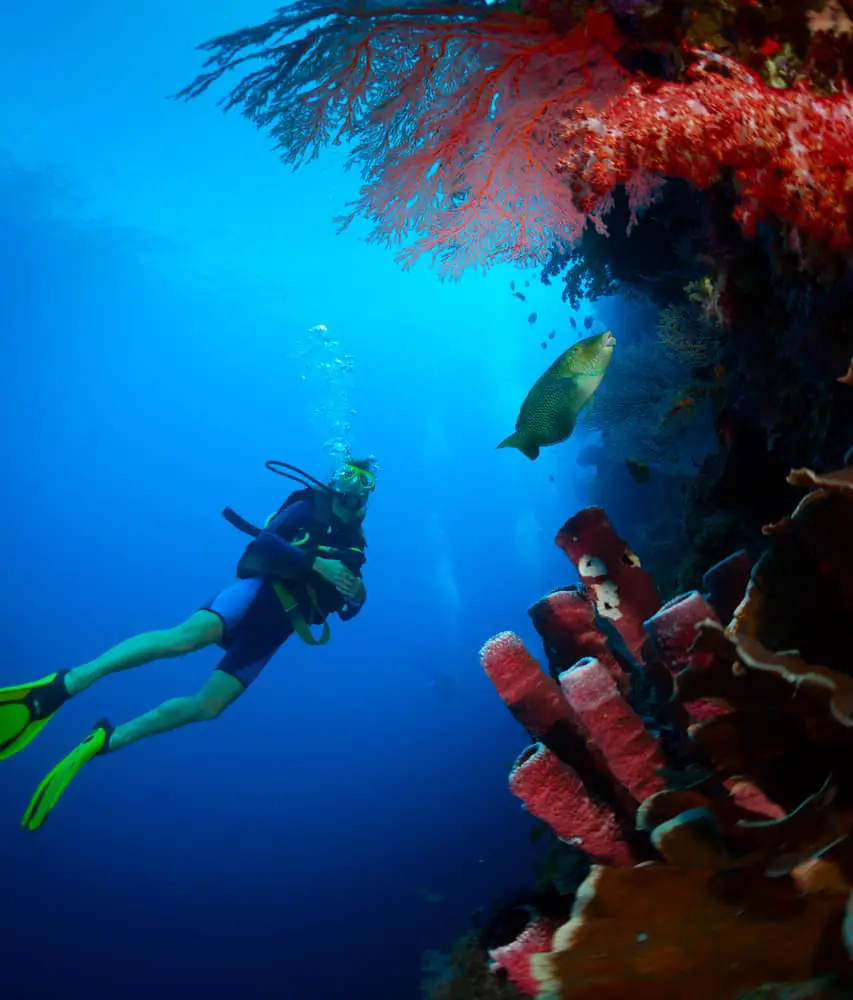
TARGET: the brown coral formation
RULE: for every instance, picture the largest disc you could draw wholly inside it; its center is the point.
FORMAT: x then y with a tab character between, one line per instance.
659	932
804	575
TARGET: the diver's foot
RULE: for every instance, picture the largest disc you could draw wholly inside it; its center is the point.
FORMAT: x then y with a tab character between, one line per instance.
26	709
53	786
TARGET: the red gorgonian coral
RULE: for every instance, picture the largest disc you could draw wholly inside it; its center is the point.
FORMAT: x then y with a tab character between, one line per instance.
484	133
455	113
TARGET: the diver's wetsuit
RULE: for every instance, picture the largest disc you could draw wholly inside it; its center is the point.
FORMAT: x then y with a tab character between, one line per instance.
255	623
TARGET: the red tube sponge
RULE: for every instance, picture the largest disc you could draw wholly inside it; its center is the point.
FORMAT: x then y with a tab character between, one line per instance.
514	958
624	593
672	632
631	752
533	697
554	793
566	621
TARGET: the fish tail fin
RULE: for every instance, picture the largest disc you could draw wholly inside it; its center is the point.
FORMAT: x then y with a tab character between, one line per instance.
515	441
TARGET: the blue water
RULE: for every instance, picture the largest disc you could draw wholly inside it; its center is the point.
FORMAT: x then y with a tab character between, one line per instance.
159	275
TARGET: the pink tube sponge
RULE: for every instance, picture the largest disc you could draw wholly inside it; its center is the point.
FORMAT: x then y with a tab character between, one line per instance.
566	621
633	755
553	792
514	958
672	632
624	593
533	696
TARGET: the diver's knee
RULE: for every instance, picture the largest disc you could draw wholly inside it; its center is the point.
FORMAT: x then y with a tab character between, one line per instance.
196	632
208	709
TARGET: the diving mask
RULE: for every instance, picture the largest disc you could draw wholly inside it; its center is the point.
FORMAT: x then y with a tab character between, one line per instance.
351	476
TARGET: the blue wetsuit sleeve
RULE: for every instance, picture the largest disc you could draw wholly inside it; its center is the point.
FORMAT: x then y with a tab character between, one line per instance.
286	561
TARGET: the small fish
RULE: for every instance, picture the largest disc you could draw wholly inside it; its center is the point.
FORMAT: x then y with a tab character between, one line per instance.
527	284
552	334
512	286
532	318
551	479
550	410
638	471
588	322
572	321
543	345
518	295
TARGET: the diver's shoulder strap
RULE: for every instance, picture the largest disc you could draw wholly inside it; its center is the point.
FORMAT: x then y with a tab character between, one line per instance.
323	509
321	504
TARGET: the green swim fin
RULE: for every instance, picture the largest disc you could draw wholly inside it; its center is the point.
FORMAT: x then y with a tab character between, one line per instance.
26	709
50	790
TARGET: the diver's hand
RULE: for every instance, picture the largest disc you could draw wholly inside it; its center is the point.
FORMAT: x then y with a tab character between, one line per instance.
338	575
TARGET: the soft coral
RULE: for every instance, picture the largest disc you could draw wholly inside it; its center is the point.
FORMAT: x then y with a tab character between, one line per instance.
789	149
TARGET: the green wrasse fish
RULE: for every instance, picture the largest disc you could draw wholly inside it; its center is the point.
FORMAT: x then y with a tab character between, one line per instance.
550	410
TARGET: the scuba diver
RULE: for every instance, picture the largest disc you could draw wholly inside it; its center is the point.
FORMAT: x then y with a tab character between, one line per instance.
302	566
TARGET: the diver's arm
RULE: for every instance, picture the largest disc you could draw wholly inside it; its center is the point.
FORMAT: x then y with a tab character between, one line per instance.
286	561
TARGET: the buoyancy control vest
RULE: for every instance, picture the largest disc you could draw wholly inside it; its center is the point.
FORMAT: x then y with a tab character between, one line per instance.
308	600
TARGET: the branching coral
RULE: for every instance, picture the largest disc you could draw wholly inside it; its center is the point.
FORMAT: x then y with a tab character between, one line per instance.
649	407
641	379
491	132
454	111
687	335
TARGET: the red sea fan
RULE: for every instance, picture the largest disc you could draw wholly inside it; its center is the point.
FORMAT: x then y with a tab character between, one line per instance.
789	149
455	114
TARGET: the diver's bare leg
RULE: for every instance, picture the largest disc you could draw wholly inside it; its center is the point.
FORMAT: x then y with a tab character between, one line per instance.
218	693
201	629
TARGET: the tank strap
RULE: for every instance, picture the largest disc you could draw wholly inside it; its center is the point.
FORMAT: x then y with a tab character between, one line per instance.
300	626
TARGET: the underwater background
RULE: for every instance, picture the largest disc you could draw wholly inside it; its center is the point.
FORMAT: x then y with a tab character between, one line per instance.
661	600
162	283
